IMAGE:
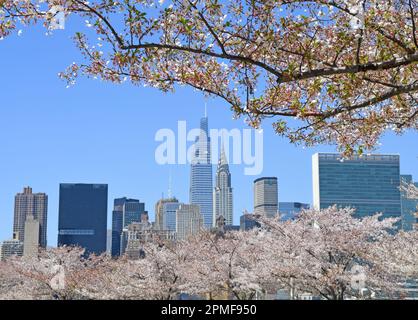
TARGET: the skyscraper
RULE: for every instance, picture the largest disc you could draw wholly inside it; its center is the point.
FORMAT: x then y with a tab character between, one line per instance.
368	183
165	214
409	206
189	221
125	212
222	196
201	184
290	210
266	196
35	204
82	217
31	242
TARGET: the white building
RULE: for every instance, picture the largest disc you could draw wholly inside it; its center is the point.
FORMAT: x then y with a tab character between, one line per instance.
189	221
31	242
266	196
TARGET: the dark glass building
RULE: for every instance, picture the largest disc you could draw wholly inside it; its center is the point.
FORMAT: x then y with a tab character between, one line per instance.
125	212
409	205
290	210
248	222
83	216
368	183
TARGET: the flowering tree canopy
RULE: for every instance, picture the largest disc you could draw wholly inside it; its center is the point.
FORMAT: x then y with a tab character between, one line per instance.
332	254
326	253
344	70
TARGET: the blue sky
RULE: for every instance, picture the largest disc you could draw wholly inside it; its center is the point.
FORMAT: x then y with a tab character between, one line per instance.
98	132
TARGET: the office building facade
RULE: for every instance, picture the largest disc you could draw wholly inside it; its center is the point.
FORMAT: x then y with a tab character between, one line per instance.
189	221
28	203
266	196
290	210
31	242
368	183
409	206
11	248
248	222
165	214
125	211
82	217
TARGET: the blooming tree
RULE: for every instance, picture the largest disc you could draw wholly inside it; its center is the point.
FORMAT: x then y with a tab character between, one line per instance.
158	275
331	254
326	253
411	190
11	284
345	70
61	273
403	252
227	265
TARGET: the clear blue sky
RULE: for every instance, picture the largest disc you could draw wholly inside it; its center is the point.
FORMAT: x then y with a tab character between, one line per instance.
97	132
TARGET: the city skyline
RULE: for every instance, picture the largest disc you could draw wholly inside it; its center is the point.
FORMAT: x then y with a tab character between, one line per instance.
133	212
80	128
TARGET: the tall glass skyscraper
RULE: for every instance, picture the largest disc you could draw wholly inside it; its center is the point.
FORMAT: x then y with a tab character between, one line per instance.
222	204
369	183
125	212
409	206
201	184
82	217
30	204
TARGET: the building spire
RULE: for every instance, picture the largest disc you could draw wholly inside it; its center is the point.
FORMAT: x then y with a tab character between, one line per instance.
170	185
222	158
206	110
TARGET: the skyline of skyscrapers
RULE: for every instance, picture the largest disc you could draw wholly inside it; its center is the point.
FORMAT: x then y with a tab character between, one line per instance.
222	196
266	196
28	203
82	219
201	178
368	183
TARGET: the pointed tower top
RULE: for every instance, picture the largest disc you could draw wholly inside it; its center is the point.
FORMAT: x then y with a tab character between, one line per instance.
206	110
222	159
169	185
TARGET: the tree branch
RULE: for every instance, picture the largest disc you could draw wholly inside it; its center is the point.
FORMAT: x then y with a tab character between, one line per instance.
371	66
